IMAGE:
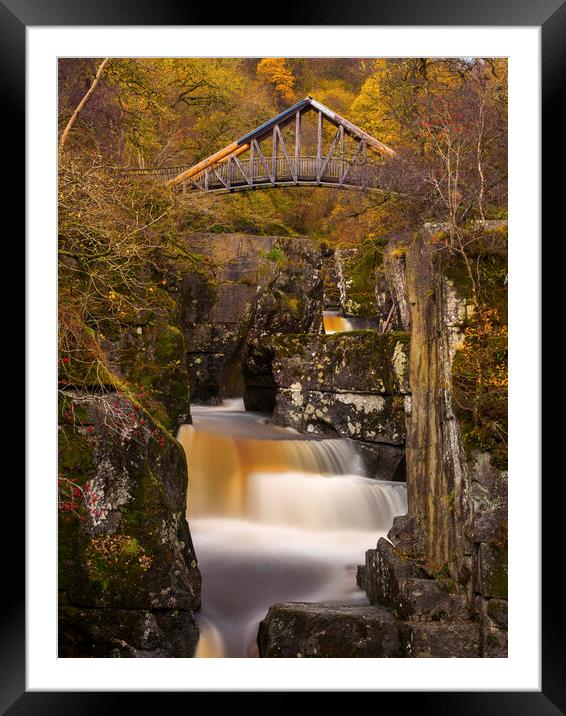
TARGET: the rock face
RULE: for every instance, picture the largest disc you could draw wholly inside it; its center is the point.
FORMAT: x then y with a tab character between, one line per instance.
128	576
352	385
247	287
298	629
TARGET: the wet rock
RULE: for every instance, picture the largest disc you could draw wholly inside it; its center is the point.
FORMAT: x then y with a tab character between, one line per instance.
490	524
349	385
383	461
440	640
330	278
364	362
149	352
495	643
350	415
296	629
126	633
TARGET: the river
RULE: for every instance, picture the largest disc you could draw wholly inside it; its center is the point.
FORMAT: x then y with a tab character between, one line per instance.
275	516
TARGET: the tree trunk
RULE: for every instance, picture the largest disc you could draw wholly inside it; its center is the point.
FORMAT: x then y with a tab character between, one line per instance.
82	103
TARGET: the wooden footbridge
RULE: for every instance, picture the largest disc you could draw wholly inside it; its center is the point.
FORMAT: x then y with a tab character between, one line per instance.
352	159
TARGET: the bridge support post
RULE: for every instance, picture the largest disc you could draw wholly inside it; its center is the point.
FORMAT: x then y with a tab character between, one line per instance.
275	152
319	146
297	144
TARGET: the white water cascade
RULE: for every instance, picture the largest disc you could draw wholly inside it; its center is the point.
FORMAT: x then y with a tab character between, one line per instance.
275	517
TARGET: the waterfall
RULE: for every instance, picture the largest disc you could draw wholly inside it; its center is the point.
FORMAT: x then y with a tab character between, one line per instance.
275	516
334	322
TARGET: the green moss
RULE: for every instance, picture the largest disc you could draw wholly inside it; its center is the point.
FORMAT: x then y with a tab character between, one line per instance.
169	344
116	564
359	271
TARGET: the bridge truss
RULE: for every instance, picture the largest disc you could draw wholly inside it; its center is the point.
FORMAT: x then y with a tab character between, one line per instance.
275	157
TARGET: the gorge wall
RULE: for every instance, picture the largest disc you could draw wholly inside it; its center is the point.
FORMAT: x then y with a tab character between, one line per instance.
438	585
422	395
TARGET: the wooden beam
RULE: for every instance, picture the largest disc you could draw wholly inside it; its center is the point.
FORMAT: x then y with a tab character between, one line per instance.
351	128
330	151
241	168
236	153
208	162
359	149
220	179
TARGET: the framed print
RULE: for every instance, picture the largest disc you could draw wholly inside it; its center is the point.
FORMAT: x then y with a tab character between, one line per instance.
282	391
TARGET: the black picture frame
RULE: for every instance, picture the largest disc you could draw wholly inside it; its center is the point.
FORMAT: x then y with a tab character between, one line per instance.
15	16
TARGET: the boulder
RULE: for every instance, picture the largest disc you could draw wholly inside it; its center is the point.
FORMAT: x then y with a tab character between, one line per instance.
497	612
495	643
490	570
363	362
383	461
426	600
149	353
296	629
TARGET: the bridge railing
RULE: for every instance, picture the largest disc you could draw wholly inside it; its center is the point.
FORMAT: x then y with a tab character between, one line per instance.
268	171
312	170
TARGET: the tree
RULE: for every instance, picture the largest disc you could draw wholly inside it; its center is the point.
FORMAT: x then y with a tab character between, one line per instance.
275	72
